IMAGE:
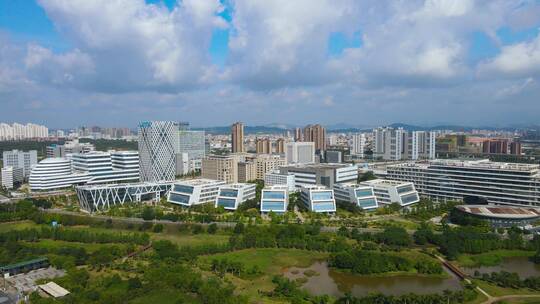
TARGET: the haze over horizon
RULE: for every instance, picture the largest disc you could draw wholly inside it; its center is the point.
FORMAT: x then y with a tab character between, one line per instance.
363	63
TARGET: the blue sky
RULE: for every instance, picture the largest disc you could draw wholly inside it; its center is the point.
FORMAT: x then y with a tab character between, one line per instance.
213	62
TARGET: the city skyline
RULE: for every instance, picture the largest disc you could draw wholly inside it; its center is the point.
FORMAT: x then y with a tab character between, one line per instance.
428	62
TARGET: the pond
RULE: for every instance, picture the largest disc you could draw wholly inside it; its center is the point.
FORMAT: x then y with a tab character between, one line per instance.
336	283
521	265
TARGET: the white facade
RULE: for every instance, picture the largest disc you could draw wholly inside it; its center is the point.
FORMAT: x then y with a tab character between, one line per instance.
277	179
158	143
18	131
391	191
10	176
275	199
69	147
361	195
25	160
318	198
107	167
300	152
192	144
55	173
358	144
398	144
500	183
232	195
194	192
321	174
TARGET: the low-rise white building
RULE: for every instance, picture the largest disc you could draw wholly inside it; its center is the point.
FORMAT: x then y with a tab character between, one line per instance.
275	178
194	191
232	195
275	199
318	198
361	195
391	191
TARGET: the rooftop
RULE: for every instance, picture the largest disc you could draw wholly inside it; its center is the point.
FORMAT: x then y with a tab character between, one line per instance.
494	211
197	182
319	166
384	182
477	164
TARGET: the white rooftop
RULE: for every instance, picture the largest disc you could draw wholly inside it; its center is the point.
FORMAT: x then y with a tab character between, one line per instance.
54	289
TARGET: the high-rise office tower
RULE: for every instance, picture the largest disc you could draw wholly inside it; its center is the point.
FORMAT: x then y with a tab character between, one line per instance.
316	134
398	144
237	134
358	144
158	142
263	146
191	150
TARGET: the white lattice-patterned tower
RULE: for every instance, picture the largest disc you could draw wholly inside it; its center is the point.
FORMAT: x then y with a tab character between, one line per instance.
157	149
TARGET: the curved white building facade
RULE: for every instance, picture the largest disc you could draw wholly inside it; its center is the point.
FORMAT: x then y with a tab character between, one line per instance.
55	173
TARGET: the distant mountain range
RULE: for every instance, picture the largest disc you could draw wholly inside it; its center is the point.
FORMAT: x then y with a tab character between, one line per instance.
276	128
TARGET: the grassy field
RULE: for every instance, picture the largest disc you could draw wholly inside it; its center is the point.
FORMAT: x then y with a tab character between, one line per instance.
271	261
491	258
4	227
496	291
53	244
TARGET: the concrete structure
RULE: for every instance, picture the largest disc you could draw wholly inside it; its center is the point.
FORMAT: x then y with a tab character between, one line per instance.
194	192
359	142
232	195
55	173
321	174
69	147
25	160
318	198
94	198
247	171
10	176
158	143
315	134
300	152
54	290
107	167
390	191
361	195
275	199
298	136
502	216
500	183
18	131
191	143
280	146
398	144
237	137
275	178
337	154
221	167
263	146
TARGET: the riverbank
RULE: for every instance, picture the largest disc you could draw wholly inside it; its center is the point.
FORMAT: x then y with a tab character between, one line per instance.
491	258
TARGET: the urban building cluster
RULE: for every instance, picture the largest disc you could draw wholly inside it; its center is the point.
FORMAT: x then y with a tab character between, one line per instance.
18	131
323	168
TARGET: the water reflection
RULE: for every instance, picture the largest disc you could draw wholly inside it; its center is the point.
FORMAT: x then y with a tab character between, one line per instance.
521	265
336	283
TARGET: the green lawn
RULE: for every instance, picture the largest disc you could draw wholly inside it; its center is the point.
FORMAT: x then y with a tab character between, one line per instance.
496	291
185	239
491	258
54	244
4	227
